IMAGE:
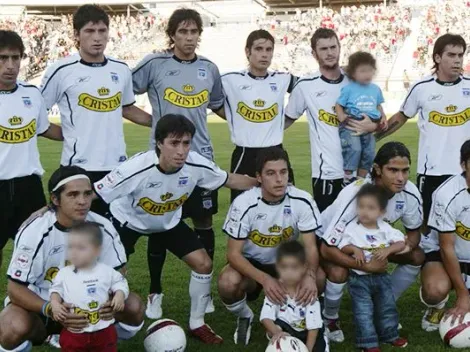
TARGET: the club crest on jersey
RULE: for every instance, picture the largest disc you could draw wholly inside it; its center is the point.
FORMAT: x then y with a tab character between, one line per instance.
257	115
466	92
15	121
17	135
27	102
399	205
183	181
273	87
462	231
92	103
188	100
453	119
91	290
153	208
371	238
271	241
114	77
328	118
201	73
287	211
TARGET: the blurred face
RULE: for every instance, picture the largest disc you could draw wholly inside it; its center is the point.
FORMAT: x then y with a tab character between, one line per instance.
10	61
364	74
291	271
174	151
186	38
450	62
327	53
260	54
273	179
93	38
368	210
75	200
81	250
394	175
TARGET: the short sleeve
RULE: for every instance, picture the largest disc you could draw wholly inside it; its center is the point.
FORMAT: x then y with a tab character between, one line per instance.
344	96
343	239
269	310
380	96
112	251
58	284
410	106
51	86
236	224
217	96
142	74
128	97
412	218
119	283
43	117
313	318
395	235
442	216
309	218
296	105
210	176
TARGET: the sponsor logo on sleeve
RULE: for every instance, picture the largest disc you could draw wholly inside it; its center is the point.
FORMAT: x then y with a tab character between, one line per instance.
18	273
22	260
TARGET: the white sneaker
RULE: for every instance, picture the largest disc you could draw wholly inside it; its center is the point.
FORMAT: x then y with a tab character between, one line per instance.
431	319
53	340
210	307
243	333
154	306
333	330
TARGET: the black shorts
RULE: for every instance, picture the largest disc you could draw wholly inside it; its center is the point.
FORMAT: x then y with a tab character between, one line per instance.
202	203
427	185
98	206
180	240
435	256
326	191
269	269
321	343
19	198
244	163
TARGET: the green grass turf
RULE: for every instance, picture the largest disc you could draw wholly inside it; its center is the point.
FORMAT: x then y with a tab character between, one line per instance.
176	275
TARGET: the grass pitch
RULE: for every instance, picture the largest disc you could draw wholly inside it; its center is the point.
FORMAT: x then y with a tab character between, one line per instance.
176	275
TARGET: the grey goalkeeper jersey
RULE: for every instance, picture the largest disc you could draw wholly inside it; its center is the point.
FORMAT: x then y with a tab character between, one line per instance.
181	87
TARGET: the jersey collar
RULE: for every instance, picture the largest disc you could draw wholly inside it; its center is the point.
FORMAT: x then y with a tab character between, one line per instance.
166	172
274	203
333	81
448	84
61	227
258	78
187	62
94	64
9	91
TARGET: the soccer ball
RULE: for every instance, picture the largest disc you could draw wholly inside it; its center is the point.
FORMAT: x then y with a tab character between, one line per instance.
456	335
165	335
287	344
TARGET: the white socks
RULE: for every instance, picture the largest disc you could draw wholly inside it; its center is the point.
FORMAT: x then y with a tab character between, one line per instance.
240	309
440	305
333	294
403	277
24	347
200	293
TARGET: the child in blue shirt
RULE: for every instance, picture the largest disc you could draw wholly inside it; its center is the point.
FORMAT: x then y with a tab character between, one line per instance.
360	99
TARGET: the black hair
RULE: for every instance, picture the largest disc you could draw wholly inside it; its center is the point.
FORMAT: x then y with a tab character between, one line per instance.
389	151
371	190
258	34
11	40
89	13
291	249
322	33
60	174
92	229
442	42
179	16
270	154
465	152
175	125
357	59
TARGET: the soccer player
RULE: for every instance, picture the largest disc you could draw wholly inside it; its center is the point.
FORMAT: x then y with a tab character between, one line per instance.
146	194
390	171
23	117
444	267
178	81
257	222
254	104
93	92
40	252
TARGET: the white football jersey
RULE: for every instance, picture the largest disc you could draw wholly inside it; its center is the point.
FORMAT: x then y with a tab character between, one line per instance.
40	251
369	240
317	95
298	317
147	199
444	123
450	212
90	97
254	107
87	290
405	206
264	226
23	116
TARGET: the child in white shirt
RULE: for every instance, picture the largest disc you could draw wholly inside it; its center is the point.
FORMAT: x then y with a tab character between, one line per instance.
87	285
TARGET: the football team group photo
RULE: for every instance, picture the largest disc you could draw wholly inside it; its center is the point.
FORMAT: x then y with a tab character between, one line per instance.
254	209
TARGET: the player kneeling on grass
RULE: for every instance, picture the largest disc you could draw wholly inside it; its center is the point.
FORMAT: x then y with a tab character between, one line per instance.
40	252
258	221
86	284
372	299
290	318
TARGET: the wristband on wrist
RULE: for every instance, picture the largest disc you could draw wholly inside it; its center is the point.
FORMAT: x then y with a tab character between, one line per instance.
46	309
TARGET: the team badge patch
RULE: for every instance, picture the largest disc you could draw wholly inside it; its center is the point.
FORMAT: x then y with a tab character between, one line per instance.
27	102
207	203
91	290
399	205
371	238
466	92
183	181
287	211
273	87
114	77
201	73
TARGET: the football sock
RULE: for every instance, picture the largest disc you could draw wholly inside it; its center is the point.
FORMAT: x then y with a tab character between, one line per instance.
240	309
439	305
402	278
200	293
24	347
333	294
207	237
156	260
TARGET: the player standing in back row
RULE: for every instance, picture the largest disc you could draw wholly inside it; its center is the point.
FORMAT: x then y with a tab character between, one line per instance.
254	105
178	81
93	92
